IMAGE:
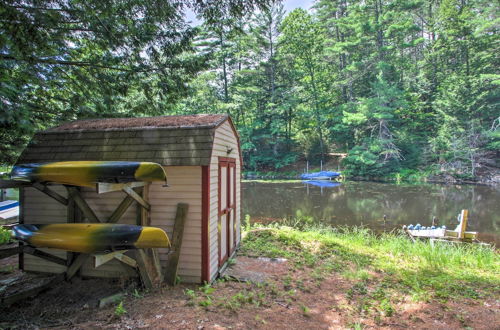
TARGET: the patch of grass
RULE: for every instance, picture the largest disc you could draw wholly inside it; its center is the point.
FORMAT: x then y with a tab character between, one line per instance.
418	269
386	307
357	289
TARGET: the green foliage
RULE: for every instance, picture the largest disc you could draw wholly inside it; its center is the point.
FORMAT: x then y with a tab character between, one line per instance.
190	293
493	140
4	236
399	85
62	61
368	160
120	310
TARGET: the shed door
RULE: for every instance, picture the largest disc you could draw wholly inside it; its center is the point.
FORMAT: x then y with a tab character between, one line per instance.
227	208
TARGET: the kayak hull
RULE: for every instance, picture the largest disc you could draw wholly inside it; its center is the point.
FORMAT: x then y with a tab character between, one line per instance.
91	237
88	173
323	175
318	183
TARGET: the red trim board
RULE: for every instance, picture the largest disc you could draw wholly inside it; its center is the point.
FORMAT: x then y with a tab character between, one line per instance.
205	225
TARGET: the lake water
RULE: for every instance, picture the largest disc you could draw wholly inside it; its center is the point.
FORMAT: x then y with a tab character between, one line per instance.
366	203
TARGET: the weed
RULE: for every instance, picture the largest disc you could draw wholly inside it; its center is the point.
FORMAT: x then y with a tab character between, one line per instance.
205	302
259	319
287	281
386	307
274	289
231	261
306	311
120	310
190	293
136	294
357	326
246	222
4	236
357	289
207	289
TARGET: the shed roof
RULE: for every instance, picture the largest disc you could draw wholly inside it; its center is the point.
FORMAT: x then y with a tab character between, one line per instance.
167	140
189	121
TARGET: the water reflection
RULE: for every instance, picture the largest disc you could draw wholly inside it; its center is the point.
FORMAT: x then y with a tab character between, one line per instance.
381	206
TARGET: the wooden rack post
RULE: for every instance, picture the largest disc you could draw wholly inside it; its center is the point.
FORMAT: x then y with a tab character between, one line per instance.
178	233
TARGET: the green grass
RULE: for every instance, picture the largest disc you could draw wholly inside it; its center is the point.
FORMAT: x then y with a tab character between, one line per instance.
391	261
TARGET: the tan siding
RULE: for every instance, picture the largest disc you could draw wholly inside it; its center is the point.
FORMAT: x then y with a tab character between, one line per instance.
164	207
224	137
39	208
184	187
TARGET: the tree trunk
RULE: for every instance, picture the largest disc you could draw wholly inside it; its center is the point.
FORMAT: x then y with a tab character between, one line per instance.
317	114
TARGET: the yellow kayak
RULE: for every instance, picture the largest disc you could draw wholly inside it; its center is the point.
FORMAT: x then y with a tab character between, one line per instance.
88	173
91	237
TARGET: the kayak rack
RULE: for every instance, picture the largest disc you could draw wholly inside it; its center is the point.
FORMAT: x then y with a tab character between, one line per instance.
145	262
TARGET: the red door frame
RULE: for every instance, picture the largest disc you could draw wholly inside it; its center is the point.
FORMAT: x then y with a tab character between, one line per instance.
227	164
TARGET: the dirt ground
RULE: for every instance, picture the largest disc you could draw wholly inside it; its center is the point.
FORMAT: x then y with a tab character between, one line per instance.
271	303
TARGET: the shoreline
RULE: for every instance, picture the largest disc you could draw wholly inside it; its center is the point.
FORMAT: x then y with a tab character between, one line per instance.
277	178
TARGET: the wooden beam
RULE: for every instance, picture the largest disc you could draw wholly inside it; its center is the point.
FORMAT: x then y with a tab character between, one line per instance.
463	223
82	204
145	214
44	255
141	258
9	300
467	234
4	184
121	209
101	259
139	208
76	264
46	190
72	216
21	221
126	260
129	191
5	253
110	187
173	260
148	263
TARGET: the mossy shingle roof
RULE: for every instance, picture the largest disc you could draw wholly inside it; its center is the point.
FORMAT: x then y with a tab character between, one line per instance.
167	140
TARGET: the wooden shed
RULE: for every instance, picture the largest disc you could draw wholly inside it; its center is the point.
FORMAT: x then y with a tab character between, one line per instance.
202	158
